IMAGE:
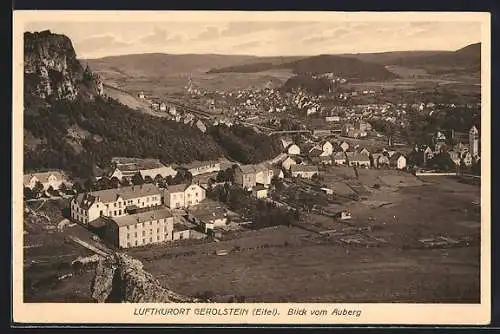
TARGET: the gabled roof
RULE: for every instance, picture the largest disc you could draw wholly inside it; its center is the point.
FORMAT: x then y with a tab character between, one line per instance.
304	168
111	195
198	164
356	156
338	155
142	217
43	177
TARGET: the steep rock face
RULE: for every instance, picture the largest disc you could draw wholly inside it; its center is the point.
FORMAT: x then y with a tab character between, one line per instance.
122	279
51	68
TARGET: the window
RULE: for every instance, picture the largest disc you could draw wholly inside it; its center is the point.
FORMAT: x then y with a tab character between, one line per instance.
135	234
151	239
157	230
128	244
189	195
120	212
136	242
128	236
143	233
115	212
114	205
143	241
151	231
100	213
196	194
157	238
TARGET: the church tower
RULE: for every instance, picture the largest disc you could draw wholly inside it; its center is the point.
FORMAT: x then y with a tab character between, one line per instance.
474	142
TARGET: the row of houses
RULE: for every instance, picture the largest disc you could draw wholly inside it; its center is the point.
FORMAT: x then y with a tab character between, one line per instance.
137	215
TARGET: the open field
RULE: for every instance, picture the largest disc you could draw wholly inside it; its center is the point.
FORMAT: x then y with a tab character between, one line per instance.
292	264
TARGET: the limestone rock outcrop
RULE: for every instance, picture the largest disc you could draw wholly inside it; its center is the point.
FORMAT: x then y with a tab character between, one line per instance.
122	279
51	69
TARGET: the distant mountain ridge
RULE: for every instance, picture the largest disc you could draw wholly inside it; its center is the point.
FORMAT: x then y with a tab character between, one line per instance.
348	67
361	65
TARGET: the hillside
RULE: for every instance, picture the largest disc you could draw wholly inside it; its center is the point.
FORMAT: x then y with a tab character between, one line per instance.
70	124
159	64
467	59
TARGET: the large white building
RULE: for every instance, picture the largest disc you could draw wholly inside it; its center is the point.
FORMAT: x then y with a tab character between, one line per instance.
128	167
183	195
202	167
154	226
87	207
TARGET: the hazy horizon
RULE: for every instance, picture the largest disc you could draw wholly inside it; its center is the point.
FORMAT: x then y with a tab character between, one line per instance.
261	39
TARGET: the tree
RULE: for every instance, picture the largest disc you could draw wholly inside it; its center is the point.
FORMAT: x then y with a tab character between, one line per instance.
277	182
38	189
137	179
77	187
28	193
63	188
88	185
125	182
159	180
51	190
169	180
114	182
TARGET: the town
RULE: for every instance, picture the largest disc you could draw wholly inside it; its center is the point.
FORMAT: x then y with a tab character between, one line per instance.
309	180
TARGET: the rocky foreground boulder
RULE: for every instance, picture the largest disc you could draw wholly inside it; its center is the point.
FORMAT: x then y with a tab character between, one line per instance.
122	279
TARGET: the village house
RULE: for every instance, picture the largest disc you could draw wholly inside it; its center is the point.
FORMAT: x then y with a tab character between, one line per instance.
380	160
49	179
141	95
398	161
182	232
248	176
140	229
326	148
202	167
259	191
209	215
304	171
183	195
344	146
364	151
163	106
87	207
126	168
286	141
339	158
358	159
293	149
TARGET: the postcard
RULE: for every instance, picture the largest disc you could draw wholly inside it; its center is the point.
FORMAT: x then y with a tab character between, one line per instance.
224	167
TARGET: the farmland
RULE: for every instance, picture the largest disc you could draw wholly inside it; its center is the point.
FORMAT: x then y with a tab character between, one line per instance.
283	264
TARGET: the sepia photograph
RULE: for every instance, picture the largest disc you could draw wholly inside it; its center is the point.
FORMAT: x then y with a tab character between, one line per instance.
223	158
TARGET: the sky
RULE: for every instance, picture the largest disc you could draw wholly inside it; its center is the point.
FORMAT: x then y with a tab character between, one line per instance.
261	38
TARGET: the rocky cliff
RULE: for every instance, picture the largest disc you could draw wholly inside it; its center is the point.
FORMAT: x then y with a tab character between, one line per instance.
51	69
122	279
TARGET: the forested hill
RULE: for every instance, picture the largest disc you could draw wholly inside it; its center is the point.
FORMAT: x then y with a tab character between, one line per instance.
70	124
76	136
346	67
